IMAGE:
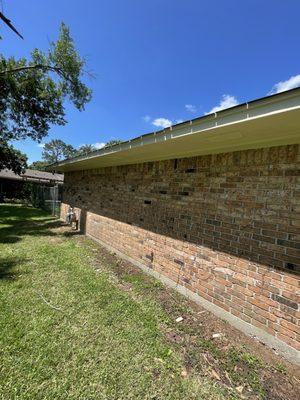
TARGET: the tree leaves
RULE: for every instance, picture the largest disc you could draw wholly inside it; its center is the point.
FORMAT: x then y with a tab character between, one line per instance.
11	158
85	149
57	150
33	91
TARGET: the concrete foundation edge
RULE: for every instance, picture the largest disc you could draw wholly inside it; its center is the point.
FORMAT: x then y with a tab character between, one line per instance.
280	347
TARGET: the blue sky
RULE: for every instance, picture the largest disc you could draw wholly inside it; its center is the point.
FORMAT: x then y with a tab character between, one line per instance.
161	61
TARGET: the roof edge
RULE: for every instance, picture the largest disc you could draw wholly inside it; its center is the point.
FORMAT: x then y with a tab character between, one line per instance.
250	105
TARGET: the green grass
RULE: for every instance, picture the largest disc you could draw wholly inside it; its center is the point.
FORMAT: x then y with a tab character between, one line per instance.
68	331
281	368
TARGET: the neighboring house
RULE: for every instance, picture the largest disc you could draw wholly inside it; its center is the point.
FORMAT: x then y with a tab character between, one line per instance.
43	189
32	175
210	206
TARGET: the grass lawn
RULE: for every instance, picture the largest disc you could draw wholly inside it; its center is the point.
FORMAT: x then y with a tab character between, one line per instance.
97	343
76	323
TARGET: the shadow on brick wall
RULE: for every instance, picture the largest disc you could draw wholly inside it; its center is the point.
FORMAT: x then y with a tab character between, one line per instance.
242	204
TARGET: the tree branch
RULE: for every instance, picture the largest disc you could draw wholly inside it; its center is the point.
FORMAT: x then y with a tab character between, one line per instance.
8	23
34	67
29	67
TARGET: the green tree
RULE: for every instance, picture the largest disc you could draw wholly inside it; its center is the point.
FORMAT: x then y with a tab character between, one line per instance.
12	159
57	150
85	149
113	142
33	91
38	165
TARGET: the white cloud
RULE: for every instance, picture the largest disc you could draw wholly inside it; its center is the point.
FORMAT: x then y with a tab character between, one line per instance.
42	145
146	118
98	145
291	83
227	101
162	122
190	108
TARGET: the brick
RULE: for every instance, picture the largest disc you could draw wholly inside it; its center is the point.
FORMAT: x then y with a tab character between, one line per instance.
293	343
225	226
275	234
290	326
285	301
288	243
286	332
292	281
291	296
179	262
245	318
289	311
266	314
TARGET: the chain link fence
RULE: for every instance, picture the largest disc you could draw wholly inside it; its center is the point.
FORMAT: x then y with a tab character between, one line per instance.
47	197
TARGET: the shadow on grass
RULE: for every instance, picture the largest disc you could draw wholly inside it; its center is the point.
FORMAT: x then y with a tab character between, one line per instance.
7	266
19	221
20	212
16	222
72	233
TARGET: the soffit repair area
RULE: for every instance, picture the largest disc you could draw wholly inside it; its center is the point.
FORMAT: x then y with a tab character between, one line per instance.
270	121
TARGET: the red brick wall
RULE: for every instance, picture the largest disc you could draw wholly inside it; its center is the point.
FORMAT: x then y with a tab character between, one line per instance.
225	226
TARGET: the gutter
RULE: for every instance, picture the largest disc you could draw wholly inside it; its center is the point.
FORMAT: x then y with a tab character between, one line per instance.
239	113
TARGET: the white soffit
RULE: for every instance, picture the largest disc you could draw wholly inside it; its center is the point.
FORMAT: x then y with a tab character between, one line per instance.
271	121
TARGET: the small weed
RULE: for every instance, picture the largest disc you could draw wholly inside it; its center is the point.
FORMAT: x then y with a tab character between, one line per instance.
251	360
243	368
234	356
255	384
209	345
281	368
142	282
